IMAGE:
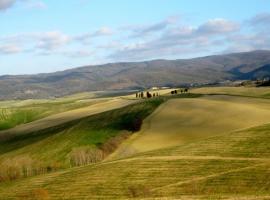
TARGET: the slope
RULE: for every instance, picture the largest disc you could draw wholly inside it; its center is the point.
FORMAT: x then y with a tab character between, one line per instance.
227	166
74	143
181	120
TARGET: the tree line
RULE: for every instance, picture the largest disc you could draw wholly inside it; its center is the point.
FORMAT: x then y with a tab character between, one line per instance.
156	94
181	91
147	94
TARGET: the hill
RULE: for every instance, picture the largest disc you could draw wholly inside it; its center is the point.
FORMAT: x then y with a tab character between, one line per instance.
179	121
226	156
58	141
118	76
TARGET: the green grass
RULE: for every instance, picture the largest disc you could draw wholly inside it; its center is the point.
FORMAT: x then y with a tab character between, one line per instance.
53	145
13	114
9	118
160	175
231	165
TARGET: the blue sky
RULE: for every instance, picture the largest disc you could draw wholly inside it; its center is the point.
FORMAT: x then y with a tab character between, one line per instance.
47	35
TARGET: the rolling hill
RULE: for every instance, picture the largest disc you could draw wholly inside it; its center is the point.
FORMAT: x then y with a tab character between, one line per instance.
196	147
118	76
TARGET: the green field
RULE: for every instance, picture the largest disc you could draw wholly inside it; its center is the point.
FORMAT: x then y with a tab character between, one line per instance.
14	113
210	145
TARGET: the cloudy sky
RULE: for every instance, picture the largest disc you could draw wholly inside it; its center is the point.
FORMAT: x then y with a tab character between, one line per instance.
50	35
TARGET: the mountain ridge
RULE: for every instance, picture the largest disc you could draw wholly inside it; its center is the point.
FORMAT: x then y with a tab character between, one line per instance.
137	75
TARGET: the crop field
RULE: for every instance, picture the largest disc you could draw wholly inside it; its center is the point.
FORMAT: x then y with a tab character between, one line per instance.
64	117
77	142
14	113
189	146
173	173
262	92
182	120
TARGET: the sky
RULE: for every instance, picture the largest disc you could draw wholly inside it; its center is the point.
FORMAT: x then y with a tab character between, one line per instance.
40	36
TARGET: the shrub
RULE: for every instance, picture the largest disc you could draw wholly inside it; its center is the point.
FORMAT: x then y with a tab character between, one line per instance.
112	144
22	167
18	167
85	155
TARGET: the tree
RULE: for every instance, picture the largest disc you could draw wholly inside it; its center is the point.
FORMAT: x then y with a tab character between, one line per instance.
148	95
172	92
141	94
186	90
175	91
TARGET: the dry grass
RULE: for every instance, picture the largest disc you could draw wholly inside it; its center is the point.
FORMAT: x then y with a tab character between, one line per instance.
151	179
213	147
182	120
23	166
85	155
263	92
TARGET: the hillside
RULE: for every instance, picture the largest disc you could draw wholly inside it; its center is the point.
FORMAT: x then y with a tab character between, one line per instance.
179	121
207	146
118	76
81	140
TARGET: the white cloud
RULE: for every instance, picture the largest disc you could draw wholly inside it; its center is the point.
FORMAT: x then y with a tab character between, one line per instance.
166	39
52	40
5	4
248	42
103	31
10	49
37	4
144	30
178	40
86	37
217	26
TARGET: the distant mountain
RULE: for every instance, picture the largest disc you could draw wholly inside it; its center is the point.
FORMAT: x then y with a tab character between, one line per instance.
132	75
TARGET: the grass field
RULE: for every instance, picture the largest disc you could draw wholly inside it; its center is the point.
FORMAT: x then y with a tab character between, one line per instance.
64	117
182	120
190	147
91	137
185	172
261	92
14	113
